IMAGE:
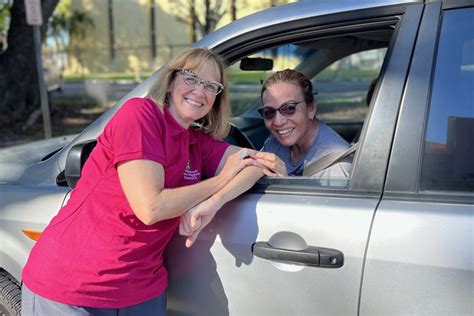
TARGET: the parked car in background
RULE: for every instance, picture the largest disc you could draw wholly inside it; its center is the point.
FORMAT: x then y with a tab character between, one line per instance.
394	238
53	77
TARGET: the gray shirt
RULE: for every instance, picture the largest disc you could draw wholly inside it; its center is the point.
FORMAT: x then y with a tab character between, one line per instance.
327	141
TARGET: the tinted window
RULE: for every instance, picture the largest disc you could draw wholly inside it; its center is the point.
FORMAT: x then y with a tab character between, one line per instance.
449	148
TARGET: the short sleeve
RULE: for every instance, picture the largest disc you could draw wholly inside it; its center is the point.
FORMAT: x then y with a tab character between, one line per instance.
137	132
212	151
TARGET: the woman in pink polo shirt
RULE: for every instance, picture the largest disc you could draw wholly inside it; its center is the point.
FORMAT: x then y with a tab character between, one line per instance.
102	254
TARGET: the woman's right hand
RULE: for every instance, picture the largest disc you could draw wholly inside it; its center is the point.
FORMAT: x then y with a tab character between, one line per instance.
236	162
197	218
273	165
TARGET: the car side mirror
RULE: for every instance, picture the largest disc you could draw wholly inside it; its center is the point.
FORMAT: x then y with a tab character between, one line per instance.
256	63
75	160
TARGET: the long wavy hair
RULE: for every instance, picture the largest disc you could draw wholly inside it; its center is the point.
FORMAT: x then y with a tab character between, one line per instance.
215	122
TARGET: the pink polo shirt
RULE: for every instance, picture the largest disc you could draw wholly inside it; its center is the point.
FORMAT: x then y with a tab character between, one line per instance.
95	252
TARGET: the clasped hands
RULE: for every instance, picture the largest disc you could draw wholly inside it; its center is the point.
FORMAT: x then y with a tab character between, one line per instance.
193	221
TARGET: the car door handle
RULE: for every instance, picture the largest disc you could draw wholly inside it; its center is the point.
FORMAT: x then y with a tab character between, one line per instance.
311	256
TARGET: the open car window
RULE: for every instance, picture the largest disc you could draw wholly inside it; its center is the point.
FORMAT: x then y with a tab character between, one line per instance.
343	70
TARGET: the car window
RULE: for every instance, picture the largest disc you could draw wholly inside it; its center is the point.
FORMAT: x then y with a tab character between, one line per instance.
448	149
342	70
345	89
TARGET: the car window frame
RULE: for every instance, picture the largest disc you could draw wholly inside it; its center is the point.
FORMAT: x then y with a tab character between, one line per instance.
364	180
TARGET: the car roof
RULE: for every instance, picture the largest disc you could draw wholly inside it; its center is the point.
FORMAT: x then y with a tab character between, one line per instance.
289	12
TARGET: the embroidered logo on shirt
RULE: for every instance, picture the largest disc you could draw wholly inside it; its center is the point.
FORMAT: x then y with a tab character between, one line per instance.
191	174
188	165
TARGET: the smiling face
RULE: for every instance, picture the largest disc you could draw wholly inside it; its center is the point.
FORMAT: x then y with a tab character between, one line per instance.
188	104
296	129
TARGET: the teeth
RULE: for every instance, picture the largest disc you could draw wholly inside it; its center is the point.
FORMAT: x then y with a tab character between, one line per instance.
195	103
284	131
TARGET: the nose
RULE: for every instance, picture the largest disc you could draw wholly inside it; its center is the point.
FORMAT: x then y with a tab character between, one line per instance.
199	88
279	119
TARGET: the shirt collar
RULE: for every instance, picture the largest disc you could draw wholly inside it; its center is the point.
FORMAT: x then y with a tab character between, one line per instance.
175	128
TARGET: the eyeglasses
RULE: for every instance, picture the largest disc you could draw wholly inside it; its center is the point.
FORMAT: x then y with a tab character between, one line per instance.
286	109
193	80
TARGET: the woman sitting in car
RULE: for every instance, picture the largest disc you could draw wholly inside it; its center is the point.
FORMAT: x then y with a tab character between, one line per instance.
297	137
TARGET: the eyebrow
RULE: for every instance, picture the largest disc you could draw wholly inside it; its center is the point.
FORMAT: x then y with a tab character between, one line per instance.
284	103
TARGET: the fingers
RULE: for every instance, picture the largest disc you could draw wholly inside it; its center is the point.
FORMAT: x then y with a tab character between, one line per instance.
271	162
189	222
183	229
246	152
268	173
185	225
195	221
238	161
191	239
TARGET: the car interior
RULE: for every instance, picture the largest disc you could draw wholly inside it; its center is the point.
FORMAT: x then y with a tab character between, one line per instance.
344	72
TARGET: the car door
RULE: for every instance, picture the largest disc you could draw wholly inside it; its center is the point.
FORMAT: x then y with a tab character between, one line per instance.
421	249
257	257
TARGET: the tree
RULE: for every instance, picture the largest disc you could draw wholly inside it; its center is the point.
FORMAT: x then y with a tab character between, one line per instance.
4	21
19	93
186	11
67	23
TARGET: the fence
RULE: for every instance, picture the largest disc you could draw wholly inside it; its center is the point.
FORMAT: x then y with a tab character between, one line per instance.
81	62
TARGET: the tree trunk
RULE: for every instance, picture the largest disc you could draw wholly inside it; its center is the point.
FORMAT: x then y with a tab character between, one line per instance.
19	95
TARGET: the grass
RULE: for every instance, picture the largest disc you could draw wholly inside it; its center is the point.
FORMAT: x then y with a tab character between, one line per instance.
346	74
111	76
251	77
235	76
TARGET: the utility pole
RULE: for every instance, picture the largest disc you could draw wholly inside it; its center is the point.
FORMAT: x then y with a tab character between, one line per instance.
192	13
153	33
233	10
111	34
34	17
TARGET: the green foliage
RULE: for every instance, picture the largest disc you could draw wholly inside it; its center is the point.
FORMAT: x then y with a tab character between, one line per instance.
5	7
347	74
66	23
248	77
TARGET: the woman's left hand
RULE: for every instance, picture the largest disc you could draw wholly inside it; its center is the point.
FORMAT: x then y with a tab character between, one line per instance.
193	221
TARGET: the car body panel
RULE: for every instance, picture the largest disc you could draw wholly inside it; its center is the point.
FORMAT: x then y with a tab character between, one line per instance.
420	260
221	264
34	151
24	207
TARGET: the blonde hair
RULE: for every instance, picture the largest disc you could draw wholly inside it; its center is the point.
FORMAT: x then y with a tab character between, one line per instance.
215	122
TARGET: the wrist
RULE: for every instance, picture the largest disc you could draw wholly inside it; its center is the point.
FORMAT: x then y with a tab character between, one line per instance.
216	201
223	178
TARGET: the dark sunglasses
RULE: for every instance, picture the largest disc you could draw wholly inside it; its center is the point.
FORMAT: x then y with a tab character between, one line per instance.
286	109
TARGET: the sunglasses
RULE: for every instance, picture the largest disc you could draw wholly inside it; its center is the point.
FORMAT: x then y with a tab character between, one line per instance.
193	80
286	109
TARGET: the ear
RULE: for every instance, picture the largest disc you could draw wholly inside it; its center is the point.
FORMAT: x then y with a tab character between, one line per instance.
312	107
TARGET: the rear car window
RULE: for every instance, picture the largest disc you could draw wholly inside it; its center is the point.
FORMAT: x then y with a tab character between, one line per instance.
449	138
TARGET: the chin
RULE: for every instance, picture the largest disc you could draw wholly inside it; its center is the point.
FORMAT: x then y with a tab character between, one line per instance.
285	141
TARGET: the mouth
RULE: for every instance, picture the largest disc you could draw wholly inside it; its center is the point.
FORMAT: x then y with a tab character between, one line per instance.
285	132
194	102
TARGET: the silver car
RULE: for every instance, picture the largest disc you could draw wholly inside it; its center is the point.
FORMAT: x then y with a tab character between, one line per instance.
394	76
